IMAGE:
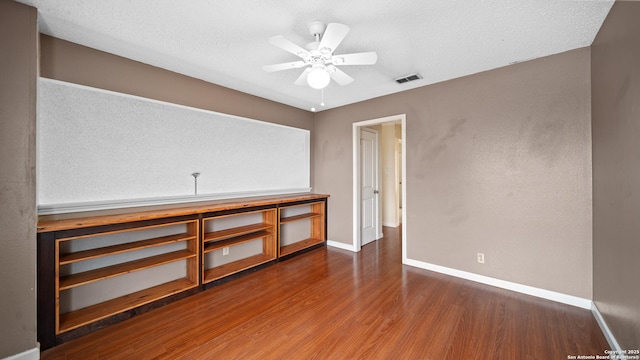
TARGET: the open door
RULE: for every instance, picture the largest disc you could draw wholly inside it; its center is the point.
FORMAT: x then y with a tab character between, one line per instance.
369	182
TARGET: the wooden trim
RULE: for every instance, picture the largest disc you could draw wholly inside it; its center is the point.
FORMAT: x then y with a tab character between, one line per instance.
46	290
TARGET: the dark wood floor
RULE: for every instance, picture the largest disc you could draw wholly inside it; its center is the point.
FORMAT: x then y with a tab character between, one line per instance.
334	304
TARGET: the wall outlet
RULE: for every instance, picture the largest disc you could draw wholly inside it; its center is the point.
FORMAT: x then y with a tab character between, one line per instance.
225	251
481	258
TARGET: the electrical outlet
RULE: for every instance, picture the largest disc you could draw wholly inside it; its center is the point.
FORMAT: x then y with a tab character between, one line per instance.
225	251
481	258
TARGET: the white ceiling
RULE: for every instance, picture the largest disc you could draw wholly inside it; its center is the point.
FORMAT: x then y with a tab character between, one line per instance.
225	42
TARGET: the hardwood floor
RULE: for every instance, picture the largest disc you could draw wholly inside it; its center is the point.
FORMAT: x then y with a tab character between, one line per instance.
334	304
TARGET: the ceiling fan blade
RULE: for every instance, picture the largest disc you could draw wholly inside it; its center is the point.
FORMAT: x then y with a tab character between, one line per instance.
284	66
339	76
302	79
365	58
333	36
287	45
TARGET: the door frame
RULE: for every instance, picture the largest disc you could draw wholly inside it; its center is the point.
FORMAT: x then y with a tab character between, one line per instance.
402	118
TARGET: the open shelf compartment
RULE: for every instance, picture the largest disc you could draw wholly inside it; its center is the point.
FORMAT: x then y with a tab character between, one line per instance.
314	213
144	238
263	225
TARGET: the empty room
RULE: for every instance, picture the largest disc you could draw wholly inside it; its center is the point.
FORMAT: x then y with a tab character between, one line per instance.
320	180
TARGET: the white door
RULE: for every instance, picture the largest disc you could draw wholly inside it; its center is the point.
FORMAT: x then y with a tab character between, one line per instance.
369	185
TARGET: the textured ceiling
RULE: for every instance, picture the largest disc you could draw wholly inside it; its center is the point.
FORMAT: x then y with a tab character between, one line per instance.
225	42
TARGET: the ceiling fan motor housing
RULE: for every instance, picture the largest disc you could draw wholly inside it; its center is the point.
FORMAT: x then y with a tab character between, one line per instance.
316	28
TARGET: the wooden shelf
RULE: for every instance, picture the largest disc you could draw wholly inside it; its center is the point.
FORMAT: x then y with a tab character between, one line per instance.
121	248
299	245
211	246
226	233
105	309
285	220
234	267
68	282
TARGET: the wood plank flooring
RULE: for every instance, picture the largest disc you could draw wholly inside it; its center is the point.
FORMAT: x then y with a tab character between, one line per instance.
334	304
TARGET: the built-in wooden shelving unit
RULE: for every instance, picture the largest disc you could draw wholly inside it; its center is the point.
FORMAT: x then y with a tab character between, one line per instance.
198	244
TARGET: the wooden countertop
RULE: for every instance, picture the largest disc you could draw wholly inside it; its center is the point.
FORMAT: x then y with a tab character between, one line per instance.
57	222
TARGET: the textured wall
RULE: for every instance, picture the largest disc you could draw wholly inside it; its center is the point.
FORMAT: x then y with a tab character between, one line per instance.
18	70
66	61
615	61
498	162
95	145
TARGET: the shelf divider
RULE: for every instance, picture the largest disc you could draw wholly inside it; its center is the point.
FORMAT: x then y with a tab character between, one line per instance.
107	308
298	245
121	248
215	245
285	220
226	233
234	267
70	281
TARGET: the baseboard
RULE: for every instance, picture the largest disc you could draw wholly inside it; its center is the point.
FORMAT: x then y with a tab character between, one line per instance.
340	245
31	354
605	329
508	285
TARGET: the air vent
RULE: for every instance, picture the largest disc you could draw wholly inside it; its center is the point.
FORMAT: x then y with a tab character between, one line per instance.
407	78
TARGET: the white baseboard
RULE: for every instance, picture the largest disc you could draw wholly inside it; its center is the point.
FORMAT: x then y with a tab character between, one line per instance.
340	245
525	289
605	329
31	354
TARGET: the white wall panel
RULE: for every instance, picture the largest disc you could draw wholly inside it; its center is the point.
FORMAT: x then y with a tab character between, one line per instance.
98	146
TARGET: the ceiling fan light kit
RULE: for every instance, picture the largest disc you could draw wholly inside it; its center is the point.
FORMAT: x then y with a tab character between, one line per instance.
318	77
318	57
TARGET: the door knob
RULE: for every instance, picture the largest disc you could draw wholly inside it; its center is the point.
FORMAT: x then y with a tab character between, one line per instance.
376	191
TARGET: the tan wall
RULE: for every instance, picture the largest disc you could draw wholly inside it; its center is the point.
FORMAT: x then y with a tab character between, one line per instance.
498	162
18	71
615	61
66	61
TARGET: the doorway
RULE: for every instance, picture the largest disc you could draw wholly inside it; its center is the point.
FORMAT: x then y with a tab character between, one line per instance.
358	189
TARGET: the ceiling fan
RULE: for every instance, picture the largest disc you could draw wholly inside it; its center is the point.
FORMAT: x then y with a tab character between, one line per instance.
319	57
